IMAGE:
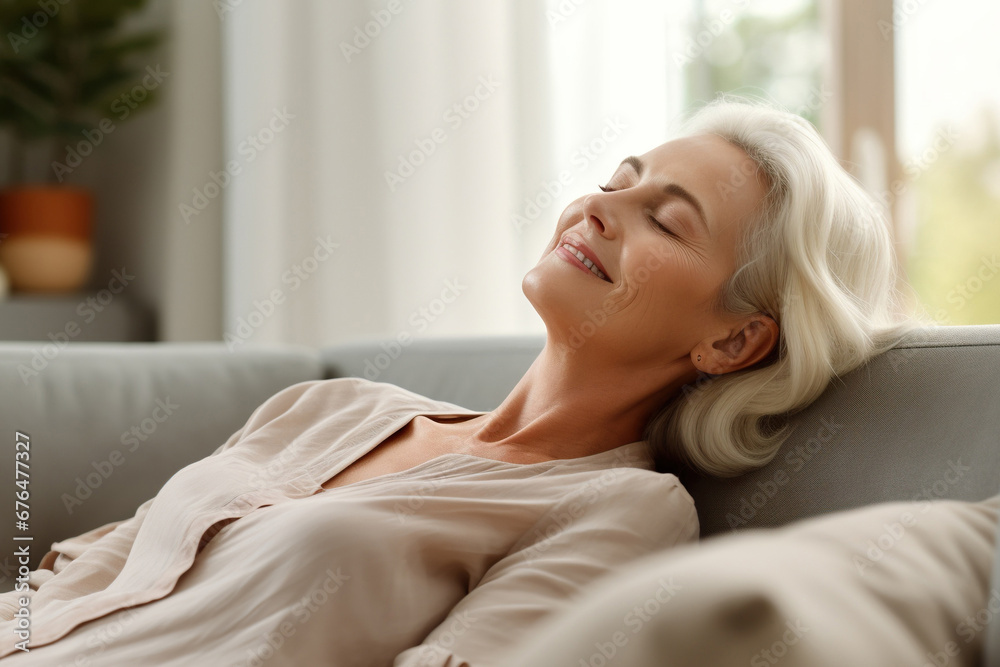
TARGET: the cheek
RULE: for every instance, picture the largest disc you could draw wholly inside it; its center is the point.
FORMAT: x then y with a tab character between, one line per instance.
664	283
657	270
570	216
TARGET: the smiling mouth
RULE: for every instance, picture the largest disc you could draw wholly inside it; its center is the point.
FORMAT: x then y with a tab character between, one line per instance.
589	265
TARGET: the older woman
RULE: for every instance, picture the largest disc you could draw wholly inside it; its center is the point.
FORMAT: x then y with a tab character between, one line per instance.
711	285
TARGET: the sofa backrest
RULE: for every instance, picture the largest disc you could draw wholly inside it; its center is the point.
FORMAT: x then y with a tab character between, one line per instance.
920	421
110	423
475	373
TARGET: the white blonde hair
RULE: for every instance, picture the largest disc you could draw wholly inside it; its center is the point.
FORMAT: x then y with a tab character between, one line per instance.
818	258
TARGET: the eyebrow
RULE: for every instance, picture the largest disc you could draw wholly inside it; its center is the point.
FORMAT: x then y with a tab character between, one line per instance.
672	189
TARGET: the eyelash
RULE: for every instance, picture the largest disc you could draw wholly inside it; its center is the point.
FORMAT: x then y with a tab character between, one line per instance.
653	220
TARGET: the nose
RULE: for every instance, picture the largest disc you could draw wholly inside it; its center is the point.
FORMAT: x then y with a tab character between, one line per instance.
598	213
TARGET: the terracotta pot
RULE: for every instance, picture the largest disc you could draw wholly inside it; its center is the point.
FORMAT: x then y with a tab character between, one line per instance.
48	244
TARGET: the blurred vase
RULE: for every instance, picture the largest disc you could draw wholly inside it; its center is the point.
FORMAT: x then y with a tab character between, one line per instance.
47	247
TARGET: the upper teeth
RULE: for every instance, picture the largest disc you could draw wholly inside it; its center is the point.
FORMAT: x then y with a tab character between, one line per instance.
589	264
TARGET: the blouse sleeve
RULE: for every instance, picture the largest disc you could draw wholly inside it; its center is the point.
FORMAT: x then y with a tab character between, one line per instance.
585	536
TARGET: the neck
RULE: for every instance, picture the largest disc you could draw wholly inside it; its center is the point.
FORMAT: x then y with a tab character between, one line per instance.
570	405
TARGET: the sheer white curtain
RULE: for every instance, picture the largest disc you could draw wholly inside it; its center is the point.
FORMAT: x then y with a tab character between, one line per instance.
394	168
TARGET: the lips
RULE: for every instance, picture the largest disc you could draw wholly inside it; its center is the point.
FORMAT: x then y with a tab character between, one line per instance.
576	247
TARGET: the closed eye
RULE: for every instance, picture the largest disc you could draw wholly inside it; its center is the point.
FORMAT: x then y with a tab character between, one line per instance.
649	216
658	224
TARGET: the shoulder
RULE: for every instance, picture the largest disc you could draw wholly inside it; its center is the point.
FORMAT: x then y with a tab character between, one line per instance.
305	396
345	387
648	509
350	398
630	487
644	494
358	387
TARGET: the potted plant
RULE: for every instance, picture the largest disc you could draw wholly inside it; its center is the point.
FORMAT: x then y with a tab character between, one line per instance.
69	75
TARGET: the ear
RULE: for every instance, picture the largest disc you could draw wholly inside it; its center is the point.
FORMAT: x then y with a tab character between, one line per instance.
744	345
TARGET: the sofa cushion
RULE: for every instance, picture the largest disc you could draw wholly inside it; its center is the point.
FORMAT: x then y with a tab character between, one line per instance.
889	584
991	649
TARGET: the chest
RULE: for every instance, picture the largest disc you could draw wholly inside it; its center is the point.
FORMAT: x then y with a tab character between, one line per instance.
407	447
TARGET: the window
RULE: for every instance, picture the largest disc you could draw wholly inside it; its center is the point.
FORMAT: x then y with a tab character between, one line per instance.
948	136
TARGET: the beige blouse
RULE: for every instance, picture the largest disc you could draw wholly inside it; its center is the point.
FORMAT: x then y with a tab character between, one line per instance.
240	560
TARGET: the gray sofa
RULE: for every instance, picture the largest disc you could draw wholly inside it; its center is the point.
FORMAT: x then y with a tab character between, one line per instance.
110	423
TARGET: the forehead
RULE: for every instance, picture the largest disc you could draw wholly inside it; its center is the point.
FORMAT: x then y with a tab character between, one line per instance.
719	174
704	150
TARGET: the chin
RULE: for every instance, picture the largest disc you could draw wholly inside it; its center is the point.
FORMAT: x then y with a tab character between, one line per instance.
531	287
562	305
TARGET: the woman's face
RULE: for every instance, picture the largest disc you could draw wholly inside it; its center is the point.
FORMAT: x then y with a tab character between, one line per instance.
664	237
